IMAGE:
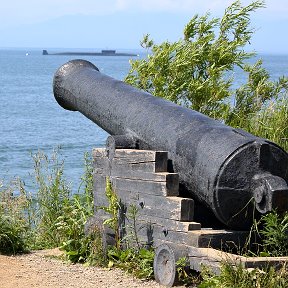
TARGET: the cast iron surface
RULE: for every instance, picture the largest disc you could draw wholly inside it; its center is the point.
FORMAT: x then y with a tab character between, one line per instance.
227	169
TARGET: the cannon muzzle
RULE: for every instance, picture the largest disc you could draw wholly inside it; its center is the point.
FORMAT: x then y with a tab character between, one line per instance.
227	169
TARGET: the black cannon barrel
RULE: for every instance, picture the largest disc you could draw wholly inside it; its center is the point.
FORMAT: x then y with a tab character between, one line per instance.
227	169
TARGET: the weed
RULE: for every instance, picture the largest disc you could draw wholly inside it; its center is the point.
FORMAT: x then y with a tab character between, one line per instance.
77	210
274	234
13	221
97	247
71	226
133	258
87	180
137	262
52	217
270	122
112	209
133	229
268	236
52	198
184	274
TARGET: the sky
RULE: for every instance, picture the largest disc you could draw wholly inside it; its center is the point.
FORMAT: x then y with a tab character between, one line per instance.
121	24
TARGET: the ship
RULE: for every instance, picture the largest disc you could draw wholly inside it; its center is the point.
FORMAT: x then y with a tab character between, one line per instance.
102	53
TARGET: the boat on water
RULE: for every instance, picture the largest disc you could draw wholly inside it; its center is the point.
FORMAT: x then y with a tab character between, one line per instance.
102	53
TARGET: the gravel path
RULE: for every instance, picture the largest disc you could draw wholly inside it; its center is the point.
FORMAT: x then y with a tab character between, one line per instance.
38	269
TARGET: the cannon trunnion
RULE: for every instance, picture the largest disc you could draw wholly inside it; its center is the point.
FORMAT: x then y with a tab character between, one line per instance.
228	170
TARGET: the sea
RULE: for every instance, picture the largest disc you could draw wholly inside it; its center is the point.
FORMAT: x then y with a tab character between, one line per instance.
32	121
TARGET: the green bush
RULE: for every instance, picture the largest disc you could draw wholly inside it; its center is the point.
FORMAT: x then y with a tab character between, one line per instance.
197	72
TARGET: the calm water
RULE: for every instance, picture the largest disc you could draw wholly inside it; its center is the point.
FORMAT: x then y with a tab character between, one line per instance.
31	120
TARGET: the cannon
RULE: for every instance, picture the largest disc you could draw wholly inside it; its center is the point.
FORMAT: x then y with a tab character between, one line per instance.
226	170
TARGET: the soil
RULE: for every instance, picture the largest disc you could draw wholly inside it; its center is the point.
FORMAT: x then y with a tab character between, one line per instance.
42	269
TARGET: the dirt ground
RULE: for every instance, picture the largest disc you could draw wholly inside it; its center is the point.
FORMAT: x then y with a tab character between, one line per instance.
39	269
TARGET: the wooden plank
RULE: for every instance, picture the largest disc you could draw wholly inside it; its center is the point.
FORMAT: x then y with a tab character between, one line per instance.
153	233
190	238
134	160
221	239
187	209
181	250
99	184
133	155
99	188
263	262
174	214
205	257
146	176
215	258
171	231
146	187
101	166
137	170
169	223
100	201
174	208
148	233
145	167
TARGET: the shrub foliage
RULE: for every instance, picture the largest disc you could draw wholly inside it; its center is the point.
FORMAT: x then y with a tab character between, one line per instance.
197	72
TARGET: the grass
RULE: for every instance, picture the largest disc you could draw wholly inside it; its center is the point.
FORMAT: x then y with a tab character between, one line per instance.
274	234
14	229
239	277
271	234
50	200
269	123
